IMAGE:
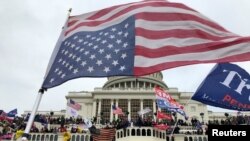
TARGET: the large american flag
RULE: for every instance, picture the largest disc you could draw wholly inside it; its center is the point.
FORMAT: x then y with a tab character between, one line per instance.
140	38
106	134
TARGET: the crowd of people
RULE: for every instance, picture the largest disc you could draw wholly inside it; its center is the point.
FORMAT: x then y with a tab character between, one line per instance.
76	125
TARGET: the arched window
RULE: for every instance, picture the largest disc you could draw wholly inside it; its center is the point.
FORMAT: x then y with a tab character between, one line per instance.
77	138
172	138
87	138
167	138
33	138
42	137
55	137
51	138
118	135
73	138
138	132
133	132
143	132
82	137
148	132
38	137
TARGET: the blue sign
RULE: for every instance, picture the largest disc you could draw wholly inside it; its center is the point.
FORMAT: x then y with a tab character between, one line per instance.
226	86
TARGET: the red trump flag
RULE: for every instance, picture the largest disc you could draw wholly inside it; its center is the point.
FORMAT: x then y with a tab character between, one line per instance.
161	115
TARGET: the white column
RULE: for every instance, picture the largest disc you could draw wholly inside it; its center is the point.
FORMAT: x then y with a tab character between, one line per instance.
116	104
125	85
154	109
94	108
141	104
111	111
129	109
99	110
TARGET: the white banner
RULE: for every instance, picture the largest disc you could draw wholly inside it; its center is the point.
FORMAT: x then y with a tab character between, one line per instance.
144	111
72	112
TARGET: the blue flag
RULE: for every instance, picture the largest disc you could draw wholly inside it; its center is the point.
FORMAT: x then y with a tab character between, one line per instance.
226	86
12	113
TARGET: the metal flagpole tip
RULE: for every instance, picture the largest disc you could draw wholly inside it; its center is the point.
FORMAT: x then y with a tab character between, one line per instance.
70	9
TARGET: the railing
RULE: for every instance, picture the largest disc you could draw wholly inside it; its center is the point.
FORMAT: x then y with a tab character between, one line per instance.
196	138
187	129
56	137
143	131
41	137
127	89
122	134
80	137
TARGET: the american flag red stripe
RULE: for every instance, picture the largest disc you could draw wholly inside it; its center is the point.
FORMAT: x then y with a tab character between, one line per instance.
167	35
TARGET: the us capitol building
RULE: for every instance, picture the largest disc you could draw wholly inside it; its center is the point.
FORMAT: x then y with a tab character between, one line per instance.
132	94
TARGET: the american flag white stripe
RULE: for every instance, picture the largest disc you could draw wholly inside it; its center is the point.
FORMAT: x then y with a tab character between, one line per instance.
185	45
176	42
75	19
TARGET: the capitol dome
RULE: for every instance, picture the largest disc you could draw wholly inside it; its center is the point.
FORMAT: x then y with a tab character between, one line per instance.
147	81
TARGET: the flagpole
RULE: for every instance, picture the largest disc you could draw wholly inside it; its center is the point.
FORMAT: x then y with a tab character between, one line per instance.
177	119
32	115
26	135
174	127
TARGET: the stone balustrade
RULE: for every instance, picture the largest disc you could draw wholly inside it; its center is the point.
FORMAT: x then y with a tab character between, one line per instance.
128	134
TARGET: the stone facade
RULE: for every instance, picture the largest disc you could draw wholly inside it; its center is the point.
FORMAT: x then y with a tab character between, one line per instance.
132	94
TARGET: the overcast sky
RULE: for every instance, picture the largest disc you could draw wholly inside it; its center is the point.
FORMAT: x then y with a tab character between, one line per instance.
29	30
